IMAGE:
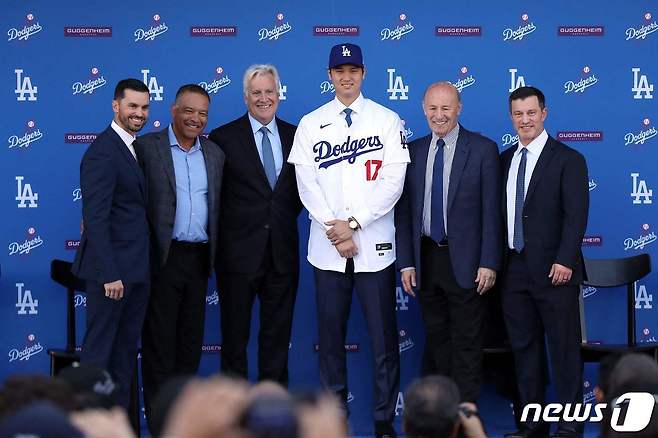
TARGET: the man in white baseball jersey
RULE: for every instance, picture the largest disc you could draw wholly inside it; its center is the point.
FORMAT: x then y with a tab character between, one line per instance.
350	157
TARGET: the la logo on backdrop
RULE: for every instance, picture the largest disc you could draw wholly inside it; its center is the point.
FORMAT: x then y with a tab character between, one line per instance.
25	304
29	28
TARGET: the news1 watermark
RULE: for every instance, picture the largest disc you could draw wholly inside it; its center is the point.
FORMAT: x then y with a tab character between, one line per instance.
637	405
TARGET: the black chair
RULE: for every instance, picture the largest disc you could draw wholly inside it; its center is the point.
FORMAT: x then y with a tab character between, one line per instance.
614	273
60	272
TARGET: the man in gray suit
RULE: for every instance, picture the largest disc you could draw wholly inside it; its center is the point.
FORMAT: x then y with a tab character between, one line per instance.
183	171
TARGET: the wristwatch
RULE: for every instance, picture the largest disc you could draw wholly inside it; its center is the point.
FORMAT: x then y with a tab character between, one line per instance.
352	223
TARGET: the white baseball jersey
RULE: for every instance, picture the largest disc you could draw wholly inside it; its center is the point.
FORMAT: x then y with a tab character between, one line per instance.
351	171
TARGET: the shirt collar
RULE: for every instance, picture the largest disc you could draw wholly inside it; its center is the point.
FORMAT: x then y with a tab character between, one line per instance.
125	136
450	138
173	141
256	125
356	106
535	146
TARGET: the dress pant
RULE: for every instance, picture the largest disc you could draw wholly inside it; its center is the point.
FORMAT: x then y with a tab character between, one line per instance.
276	293
112	332
453	319
532	314
172	337
376	291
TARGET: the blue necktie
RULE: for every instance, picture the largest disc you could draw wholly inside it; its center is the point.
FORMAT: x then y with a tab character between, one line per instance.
268	157
348	119
437	229
518	206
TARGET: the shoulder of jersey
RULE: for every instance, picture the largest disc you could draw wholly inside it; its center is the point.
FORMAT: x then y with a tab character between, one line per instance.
382	111
316	115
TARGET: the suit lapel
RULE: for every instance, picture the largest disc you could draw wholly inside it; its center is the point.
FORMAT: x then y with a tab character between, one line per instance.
420	156
507	162
164	151
132	162
211	172
286	146
251	151
458	162
542	164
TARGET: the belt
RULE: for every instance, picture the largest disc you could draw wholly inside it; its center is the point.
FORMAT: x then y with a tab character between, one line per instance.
443	242
189	246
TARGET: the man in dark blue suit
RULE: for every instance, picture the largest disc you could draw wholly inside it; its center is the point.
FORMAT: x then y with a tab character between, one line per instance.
545	205
113	256
448	236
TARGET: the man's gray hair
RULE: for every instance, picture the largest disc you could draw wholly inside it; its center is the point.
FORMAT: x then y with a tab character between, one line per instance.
259	70
445	84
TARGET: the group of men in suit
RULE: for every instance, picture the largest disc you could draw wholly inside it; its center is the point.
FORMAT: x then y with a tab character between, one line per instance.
456	215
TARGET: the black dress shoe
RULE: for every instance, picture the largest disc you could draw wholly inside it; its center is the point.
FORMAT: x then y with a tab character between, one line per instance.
384	429
526	433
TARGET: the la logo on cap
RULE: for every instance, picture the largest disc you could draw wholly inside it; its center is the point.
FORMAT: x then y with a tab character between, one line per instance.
346	51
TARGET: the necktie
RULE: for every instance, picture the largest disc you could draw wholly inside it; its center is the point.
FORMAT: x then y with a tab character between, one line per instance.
348	118
268	157
437	229
518	206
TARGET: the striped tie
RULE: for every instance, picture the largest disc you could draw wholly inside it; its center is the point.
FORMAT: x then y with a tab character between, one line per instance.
518	206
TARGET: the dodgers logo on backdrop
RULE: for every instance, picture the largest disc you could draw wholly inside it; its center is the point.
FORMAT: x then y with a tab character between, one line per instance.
646	336
588	291
80	300
349	150
525	28
641	194
32	348
157	28
155	90
91	85
643	135
588	393
220	81
646	238
646	29
30	136
641	86
282	91
25	301
77	194
587	80
32	241
25	196
280	28
29	29
465	79
515	81
643	299
509	139
24	86
401	299
350	397
592	184
404	340
396	88
213	298
402	28
327	87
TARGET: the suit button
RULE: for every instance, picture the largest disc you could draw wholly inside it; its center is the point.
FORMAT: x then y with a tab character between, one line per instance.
267	226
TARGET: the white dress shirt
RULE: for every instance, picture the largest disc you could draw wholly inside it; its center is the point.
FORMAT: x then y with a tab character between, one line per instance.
126	137
532	156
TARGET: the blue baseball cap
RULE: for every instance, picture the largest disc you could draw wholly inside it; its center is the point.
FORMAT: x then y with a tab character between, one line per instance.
345	53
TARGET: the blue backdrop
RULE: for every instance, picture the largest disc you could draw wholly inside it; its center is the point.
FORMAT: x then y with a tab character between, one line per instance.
594	60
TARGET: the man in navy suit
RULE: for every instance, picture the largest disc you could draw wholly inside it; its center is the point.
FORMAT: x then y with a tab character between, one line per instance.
184	174
113	256
258	253
545	205
448	235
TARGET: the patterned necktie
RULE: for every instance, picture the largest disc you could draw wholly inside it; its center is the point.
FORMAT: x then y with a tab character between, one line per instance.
518	202
268	157
437	229
348	118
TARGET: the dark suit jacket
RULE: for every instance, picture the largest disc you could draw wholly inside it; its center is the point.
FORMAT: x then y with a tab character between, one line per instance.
252	212
474	227
154	155
554	212
114	244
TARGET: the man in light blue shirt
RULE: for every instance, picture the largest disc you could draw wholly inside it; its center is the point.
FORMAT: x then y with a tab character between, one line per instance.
184	173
